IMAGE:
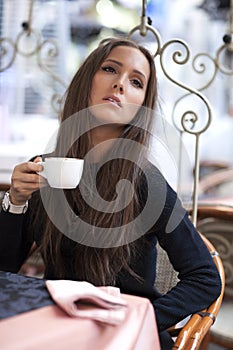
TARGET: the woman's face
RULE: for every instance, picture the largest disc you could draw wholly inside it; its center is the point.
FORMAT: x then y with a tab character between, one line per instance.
119	86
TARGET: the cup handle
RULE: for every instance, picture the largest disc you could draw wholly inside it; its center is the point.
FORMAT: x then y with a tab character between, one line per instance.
42	172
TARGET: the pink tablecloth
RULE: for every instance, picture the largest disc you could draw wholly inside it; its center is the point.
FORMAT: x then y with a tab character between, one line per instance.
50	328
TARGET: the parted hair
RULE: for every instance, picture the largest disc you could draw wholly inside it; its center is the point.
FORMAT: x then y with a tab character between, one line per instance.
100	266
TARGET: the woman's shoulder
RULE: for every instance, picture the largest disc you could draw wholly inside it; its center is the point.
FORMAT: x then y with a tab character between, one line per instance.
153	181
162	200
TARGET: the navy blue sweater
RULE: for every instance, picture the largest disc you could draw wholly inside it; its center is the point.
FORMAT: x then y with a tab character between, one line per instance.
199	283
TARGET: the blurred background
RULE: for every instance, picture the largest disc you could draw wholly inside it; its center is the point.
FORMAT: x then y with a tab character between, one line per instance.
43	43
37	65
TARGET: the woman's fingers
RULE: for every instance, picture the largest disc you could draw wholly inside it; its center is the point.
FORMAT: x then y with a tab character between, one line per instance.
25	181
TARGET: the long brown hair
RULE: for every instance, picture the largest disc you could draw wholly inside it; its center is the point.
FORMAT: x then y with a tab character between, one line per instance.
101	265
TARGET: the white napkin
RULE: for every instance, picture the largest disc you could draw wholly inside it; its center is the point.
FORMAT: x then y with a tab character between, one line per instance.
83	299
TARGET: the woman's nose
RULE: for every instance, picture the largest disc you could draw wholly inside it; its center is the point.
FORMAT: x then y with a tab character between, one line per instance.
118	86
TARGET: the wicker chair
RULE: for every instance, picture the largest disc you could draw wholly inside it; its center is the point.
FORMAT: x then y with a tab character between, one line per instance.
216	223
190	335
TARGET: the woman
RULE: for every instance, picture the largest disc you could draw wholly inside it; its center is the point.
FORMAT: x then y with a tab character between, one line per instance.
115	94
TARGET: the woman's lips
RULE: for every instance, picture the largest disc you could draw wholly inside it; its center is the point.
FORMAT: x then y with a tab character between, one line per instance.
114	100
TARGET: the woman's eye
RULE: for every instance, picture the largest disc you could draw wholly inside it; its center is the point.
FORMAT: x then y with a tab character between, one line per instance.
137	83
108	69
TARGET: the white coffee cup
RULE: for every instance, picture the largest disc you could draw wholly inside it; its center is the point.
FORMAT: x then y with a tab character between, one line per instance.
62	172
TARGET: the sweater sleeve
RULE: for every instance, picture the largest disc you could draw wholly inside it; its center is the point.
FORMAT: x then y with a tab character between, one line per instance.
199	283
15	241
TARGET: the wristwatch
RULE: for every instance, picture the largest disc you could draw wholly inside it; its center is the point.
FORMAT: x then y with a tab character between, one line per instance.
7	206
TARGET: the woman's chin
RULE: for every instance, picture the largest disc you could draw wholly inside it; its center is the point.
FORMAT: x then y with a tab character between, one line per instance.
110	114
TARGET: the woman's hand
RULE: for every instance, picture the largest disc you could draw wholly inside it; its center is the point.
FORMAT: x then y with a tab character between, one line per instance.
25	181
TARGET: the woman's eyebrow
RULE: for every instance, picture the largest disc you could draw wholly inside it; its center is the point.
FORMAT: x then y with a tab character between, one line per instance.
121	64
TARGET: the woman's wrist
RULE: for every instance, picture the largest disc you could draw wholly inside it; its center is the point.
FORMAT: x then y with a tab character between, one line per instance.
10	207
14	201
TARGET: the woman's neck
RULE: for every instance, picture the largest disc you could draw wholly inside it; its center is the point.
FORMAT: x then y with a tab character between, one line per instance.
105	132
99	136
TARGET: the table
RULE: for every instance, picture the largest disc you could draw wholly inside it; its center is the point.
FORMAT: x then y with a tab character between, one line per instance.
40	324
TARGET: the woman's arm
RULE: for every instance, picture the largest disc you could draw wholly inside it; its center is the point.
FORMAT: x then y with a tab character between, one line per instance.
200	282
16	238
15	241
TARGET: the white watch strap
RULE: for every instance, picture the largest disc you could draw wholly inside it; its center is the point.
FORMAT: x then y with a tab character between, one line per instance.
18	209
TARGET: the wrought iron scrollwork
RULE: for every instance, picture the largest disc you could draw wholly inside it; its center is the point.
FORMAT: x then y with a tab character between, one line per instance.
29	43
188	120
